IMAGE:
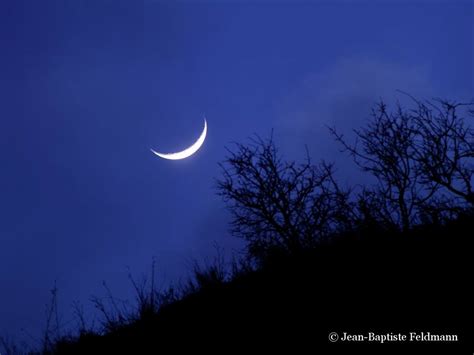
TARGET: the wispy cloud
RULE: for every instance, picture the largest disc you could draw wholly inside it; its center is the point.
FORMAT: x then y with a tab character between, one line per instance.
342	96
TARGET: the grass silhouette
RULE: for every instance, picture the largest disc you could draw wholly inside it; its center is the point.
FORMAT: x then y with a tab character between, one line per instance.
366	280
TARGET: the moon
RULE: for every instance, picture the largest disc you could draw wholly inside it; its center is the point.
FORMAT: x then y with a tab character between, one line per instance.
188	151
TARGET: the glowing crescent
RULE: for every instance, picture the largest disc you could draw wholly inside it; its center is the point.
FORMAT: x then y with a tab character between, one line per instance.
188	151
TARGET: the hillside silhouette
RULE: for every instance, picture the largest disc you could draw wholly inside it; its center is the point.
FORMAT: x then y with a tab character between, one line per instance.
369	280
391	257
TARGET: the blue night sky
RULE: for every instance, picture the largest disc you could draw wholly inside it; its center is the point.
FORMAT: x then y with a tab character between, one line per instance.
88	87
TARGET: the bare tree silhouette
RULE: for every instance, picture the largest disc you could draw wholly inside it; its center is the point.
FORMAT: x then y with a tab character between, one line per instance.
421	159
445	146
277	203
384	148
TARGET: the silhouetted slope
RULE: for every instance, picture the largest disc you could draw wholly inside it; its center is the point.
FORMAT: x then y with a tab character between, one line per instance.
372	280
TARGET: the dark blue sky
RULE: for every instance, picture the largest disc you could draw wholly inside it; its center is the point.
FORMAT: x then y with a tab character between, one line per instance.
88	87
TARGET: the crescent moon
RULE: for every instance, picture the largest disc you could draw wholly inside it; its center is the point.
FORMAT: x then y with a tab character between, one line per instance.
188	151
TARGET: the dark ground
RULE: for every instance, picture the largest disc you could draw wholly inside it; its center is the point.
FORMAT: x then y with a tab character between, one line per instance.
371	280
